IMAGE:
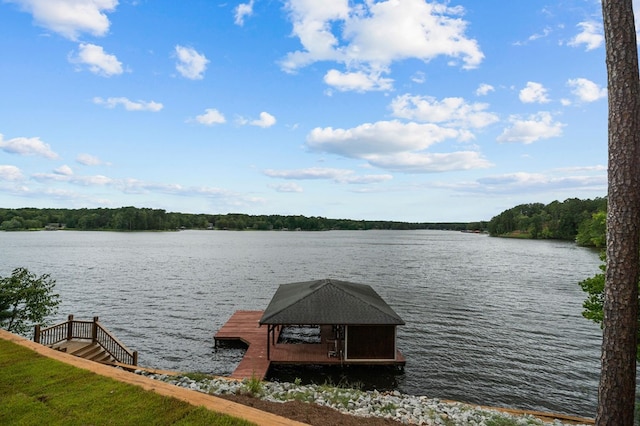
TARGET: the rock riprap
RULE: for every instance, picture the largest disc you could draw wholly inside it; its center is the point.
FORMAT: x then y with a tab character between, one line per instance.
407	409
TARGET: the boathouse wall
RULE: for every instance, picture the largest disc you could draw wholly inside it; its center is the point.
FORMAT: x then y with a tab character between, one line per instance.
374	342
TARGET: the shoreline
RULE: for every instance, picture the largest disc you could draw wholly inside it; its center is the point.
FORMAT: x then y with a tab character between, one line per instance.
393	405
362	403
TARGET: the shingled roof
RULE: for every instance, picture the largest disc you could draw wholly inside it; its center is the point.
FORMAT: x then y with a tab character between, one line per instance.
328	301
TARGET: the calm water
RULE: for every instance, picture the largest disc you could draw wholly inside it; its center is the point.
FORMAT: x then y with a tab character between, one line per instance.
489	321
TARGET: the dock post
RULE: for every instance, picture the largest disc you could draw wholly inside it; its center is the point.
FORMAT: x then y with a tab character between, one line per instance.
36	334
268	342
94	330
70	327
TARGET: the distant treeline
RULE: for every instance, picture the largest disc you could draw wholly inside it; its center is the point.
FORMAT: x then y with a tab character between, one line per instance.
145	219
583	221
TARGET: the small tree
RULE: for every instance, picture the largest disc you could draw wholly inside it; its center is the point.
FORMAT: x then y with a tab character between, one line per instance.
26	300
593	305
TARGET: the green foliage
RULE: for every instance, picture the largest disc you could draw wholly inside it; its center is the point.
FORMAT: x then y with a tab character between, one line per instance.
35	390
556	220
594	304
26	300
145	219
594	287
592	232
503	420
389	407
341	396
197	376
253	386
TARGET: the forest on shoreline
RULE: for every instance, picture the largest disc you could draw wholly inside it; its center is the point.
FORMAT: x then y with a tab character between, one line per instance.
574	219
146	219
582	221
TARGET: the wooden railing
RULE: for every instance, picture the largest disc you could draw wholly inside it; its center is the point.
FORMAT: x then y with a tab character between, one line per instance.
89	330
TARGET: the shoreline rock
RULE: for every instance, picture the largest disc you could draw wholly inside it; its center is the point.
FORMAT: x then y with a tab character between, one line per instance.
407	409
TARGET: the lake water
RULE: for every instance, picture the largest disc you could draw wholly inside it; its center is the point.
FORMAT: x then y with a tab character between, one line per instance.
489	321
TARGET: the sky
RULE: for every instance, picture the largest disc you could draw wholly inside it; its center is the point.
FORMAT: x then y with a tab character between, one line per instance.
404	110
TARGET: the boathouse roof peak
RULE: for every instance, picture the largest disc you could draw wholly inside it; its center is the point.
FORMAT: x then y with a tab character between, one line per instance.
328	301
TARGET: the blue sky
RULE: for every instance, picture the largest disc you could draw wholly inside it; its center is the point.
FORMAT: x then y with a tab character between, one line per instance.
407	110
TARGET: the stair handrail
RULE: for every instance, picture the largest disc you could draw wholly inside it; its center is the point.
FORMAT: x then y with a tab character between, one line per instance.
113	346
70	329
93	330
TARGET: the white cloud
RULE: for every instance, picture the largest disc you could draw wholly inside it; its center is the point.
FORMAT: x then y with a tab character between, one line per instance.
358	81
89	160
70	18
534	93
242	11
366	179
63	170
210	117
391	30
396	146
586	90
97	180
369	36
191	64
596	168
522	182
97	60
591	36
320	173
419	77
27	146
129	186
545	32
287	187
310	173
484	89
128	104
265	120
450	111
10	173
382	137
312	25
416	162
531	129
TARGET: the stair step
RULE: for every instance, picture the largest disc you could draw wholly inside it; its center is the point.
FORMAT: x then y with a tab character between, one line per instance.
87	351
102	357
93	352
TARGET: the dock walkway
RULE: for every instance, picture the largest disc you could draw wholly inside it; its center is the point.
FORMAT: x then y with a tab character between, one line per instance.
244	326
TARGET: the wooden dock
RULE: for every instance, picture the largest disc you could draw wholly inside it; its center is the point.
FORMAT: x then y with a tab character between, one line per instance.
244	326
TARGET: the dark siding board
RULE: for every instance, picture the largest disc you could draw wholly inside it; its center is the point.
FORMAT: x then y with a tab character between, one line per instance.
371	342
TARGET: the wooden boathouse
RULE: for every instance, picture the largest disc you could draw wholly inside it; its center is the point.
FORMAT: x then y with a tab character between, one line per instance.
343	323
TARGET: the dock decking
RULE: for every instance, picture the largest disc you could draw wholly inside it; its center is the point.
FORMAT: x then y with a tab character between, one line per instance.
244	326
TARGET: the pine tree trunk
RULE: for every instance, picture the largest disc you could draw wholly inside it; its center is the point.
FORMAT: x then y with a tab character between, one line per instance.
616	393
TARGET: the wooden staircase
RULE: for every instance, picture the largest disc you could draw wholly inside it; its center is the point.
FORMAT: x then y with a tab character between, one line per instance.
94	352
86	339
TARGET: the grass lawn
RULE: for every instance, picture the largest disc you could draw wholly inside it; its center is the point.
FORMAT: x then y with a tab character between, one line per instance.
35	390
